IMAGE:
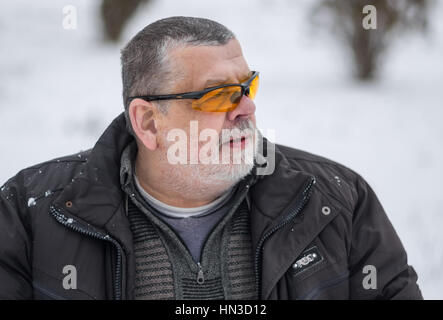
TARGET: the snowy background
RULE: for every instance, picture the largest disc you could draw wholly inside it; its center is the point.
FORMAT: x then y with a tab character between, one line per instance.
59	89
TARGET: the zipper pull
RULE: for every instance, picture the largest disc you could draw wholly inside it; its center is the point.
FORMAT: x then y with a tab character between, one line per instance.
200	276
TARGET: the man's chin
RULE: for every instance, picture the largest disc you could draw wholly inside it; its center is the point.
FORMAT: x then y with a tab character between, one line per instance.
226	173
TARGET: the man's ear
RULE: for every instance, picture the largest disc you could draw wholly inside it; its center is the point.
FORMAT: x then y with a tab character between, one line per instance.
143	116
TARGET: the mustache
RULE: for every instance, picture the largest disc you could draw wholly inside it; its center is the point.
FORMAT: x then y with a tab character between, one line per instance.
244	128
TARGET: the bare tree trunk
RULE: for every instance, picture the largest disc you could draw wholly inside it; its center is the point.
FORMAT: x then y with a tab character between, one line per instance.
115	14
368	46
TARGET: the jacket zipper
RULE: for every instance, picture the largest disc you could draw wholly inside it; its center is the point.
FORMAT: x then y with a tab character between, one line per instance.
75	225
293	212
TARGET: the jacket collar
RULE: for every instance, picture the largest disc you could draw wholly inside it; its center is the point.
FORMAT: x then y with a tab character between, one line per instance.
273	194
96	194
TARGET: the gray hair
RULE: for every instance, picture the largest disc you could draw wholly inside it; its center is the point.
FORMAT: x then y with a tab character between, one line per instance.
145	66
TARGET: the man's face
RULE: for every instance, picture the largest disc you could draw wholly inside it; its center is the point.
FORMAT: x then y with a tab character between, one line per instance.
202	67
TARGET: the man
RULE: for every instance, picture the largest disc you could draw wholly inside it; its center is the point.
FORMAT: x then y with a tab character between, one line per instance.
159	209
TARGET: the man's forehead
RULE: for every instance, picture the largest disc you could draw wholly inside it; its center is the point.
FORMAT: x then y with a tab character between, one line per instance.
229	50
218	80
208	66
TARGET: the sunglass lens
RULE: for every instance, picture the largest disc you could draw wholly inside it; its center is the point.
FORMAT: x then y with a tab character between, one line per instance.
253	88
235	97
220	100
224	99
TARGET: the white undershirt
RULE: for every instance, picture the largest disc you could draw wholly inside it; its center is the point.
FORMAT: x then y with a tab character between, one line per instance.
178	212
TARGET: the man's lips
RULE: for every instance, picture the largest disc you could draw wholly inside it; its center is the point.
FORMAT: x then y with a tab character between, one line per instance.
239	142
240	139
237	139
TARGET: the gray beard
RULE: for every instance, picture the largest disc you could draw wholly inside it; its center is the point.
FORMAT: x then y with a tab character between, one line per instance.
207	181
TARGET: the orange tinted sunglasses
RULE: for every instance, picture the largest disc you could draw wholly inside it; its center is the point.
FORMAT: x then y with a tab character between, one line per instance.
221	98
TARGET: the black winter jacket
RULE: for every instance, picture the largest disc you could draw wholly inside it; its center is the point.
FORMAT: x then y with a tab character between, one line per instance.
315	226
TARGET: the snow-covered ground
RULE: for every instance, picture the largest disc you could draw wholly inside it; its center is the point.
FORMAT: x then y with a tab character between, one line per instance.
59	89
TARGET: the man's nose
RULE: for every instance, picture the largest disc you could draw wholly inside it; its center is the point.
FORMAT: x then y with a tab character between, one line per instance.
244	110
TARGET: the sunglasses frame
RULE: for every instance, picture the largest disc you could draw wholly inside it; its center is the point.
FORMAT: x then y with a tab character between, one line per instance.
197	94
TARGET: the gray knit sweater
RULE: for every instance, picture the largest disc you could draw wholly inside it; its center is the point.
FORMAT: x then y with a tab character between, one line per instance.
165	269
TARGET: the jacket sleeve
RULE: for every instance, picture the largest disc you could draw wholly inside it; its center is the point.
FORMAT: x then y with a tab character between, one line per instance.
15	246
377	260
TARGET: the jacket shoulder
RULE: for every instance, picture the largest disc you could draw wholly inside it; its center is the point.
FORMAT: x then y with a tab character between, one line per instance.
332	178
43	178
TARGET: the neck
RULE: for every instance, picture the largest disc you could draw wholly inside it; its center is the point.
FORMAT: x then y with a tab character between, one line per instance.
171	185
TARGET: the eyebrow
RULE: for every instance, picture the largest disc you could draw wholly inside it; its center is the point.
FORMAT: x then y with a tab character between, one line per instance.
215	82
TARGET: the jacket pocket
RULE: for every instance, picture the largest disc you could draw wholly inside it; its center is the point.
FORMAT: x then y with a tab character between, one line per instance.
41	293
46	286
316	274
323	281
328	284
